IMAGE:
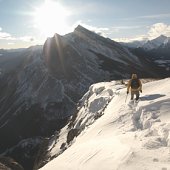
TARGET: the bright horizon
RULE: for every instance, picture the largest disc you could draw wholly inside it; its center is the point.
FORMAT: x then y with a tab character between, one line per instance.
25	23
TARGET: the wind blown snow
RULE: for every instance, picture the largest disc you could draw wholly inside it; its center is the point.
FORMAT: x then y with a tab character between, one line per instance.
128	136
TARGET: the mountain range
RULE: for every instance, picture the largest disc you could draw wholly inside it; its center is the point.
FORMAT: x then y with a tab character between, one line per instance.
157	50
155	43
41	86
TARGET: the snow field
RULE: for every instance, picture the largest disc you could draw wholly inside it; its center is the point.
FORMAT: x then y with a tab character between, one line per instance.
127	135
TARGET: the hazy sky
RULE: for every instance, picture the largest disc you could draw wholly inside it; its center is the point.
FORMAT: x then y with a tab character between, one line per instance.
28	22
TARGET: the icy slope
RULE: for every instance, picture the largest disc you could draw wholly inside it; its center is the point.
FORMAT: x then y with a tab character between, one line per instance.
127	136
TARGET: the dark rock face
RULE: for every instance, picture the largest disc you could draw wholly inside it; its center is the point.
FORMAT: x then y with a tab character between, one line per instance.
25	151
33	103
94	58
9	164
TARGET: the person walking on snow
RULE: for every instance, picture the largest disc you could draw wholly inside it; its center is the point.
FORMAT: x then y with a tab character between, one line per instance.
135	86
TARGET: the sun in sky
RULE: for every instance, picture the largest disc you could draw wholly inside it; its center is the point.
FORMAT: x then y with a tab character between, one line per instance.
51	18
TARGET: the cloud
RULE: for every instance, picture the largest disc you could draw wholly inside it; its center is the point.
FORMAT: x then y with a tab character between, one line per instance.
8	36
107	32
120	28
154	31
131	39
156	16
5	35
11	43
99	30
26	38
158	29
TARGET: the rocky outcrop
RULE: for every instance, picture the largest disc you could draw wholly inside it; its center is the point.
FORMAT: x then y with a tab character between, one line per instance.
9	164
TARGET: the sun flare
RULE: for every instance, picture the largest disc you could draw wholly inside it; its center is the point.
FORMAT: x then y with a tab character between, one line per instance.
50	18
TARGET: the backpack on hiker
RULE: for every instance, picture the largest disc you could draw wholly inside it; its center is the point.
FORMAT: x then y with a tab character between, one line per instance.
135	84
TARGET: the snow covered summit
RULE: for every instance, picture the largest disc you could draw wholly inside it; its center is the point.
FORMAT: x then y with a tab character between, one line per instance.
110	134
155	43
148	44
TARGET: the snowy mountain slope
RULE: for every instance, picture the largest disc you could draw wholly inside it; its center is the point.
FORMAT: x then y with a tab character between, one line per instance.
159	56
148	44
156	52
91	42
40	86
96	56
127	136
155	43
29	94
134	44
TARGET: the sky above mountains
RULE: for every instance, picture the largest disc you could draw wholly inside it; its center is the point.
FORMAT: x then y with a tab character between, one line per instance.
29	22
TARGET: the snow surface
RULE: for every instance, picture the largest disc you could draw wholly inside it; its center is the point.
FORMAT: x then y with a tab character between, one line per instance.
128	136
162	61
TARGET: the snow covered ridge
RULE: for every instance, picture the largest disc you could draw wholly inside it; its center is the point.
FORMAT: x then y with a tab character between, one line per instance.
127	136
149	44
157	42
90	108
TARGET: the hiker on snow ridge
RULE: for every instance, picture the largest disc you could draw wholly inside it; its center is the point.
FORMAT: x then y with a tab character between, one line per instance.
135	85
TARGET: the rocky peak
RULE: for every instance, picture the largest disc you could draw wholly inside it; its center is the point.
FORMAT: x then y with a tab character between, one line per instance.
80	28
80	31
160	39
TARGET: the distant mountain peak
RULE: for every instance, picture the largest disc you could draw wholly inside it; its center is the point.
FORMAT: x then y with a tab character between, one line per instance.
160	38
148	44
82	29
155	43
